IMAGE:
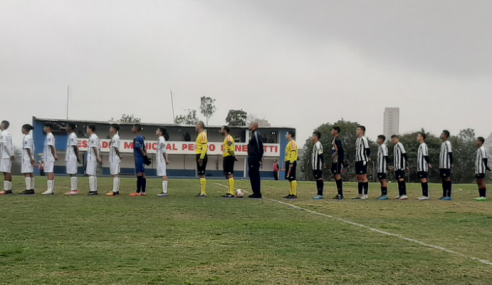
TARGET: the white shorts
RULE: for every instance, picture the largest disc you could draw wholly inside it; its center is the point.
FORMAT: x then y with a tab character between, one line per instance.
5	165
26	167
49	166
91	168
114	168
161	169
72	167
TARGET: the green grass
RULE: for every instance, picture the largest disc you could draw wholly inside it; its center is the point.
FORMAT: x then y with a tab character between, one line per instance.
184	240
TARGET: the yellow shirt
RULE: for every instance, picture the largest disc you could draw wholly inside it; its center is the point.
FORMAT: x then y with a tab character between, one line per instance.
201	145
291	152
229	146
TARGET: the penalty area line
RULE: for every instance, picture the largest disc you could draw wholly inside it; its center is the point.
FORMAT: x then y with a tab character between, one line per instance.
484	261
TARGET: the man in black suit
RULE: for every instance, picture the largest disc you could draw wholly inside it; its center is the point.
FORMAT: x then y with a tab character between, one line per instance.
255	157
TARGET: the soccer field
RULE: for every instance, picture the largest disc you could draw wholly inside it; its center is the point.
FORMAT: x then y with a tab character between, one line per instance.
185	240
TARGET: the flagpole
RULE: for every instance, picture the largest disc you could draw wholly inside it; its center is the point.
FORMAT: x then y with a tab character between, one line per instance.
172	105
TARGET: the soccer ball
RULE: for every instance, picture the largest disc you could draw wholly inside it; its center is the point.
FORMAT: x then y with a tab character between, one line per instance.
239	193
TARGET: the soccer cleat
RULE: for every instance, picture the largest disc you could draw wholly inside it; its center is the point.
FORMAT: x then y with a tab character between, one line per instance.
292	197
288	196
73	192
92	193
338	198
256	197
358	197
364	197
27	192
447	199
48	192
442	198
423	198
113	194
229	196
143	194
397	197
382	198
403	197
318	197
136	194
6	192
163	195
200	195
481	199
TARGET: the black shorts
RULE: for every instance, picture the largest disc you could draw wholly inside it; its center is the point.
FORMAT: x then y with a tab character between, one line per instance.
336	168
290	174
360	168
400	174
422	174
228	164
201	169
480	175
317	174
381	176
445	173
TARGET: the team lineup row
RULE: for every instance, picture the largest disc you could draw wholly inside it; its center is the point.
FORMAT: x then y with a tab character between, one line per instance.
255	157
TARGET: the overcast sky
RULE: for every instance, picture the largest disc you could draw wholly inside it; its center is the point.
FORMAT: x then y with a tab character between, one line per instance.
297	63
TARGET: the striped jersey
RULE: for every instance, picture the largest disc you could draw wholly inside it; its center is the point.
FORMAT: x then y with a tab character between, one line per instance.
72	142
360	149
399	159
93	143
444	159
423	152
115	144
48	142
27	144
317	158
161	150
291	152
382	156
480	166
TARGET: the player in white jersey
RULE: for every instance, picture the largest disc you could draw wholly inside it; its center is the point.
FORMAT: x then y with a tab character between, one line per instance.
114	159
445	166
481	165
7	156
318	162
400	165
93	158
362	158
28	152
162	159
382	166
72	159
49	158
423	166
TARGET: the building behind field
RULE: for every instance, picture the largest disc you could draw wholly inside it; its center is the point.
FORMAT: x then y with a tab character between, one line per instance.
391	124
180	148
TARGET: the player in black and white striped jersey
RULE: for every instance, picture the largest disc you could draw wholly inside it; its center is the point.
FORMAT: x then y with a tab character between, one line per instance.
445	166
423	166
481	165
382	166
318	162
400	164
362	157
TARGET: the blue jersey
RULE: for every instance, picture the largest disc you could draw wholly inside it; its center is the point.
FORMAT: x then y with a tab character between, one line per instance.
138	144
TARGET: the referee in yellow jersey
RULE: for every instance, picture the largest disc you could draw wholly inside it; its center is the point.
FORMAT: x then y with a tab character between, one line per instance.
229	159
291	154
201	149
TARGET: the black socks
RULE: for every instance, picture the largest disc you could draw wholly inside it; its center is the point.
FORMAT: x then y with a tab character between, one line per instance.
339	187
320	185
425	189
384	191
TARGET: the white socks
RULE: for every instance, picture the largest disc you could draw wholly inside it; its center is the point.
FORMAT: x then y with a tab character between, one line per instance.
116	184
7	185
164	187
51	185
32	183
73	183
93	183
28	183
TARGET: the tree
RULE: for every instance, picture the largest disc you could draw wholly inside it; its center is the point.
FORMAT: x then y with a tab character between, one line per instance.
236	118
188	119
262	122
207	107
128	119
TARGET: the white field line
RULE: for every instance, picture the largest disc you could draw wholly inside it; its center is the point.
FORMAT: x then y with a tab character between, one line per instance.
484	261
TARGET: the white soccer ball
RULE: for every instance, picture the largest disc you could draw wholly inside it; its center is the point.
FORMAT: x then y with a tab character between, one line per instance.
239	193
